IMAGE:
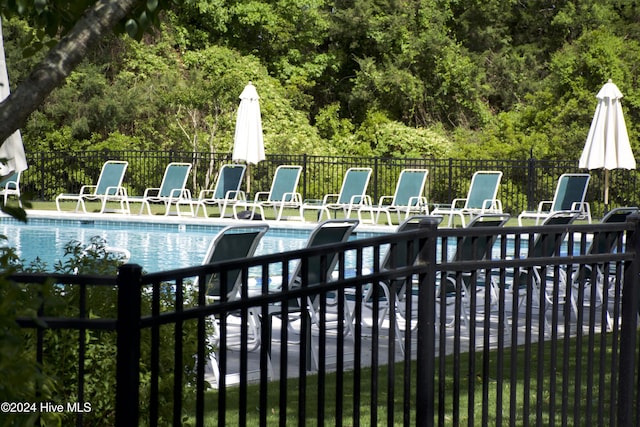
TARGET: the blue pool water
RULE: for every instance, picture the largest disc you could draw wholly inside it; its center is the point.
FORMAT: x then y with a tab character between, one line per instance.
155	246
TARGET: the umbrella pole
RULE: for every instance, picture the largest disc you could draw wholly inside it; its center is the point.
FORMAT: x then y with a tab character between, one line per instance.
606	191
248	179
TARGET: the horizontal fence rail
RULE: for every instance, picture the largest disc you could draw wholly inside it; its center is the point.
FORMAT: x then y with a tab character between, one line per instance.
515	338
525	182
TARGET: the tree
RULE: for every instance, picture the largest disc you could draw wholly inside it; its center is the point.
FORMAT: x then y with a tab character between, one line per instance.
83	23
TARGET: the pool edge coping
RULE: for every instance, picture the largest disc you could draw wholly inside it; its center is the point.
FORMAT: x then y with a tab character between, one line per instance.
161	219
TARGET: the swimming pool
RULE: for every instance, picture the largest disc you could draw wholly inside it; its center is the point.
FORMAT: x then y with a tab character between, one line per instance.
156	246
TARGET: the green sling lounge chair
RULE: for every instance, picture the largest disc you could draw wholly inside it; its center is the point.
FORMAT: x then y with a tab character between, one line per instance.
171	191
226	191
233	242
481	198
545	244
315	272
569	196
408	198
398	256
11	187
108	189
603	242
473	248
353	195
283	194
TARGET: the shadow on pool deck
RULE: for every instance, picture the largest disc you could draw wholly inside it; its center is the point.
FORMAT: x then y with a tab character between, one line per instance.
293	355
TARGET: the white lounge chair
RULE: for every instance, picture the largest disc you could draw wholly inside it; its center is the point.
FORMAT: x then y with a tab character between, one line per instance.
481	198
108	189
569	196
283	194
172	190
11	187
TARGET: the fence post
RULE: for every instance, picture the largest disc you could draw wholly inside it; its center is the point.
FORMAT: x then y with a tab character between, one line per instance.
531	183
375	179
450	196
426	351
627	373
128	343
304	176
40	172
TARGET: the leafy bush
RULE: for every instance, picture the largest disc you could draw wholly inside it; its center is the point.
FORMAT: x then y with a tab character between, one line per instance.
56	379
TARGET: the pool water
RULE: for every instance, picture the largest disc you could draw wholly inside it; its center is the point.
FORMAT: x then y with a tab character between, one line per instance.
154	246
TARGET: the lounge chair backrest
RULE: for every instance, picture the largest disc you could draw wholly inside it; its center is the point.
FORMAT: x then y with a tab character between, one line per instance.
12	181
398	255
605	241
619	214
410	187
571	188
484	187
175	178
111	177
229	179
326	233
285	183
354	185
233	242
546	243
479	247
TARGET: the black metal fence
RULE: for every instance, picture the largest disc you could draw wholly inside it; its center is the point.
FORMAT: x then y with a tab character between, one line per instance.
524	183
511	340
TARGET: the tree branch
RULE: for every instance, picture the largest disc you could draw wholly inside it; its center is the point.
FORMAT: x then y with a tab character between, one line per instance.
52	71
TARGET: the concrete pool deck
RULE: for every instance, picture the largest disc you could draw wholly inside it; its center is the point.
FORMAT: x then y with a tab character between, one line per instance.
175	219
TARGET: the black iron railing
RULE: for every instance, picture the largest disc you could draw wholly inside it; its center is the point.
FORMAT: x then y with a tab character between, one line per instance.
514	339
524	183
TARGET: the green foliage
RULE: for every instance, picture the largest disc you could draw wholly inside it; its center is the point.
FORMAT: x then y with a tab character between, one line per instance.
224	73
387	138
497	78
18	368
56	379
55	17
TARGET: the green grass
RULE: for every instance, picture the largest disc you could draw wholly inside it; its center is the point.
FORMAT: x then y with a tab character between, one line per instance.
582	387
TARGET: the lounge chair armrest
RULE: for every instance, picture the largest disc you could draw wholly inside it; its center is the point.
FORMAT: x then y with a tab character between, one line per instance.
149	192
360	200
292	198
235	195
492	204
456	202
579	206
385	200
180	193
325	199
116	191
260	194
11	185
87	189
206	194
418	201
542	206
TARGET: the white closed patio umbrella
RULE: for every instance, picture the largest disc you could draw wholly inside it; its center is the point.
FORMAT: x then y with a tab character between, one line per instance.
607	146
248	143
12	151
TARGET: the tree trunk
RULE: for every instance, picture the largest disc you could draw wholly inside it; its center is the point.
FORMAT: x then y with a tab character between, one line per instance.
59	62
